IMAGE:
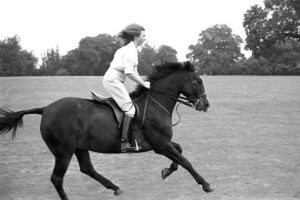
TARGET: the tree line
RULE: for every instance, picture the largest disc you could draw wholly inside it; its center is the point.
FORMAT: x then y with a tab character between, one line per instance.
272	35
91	58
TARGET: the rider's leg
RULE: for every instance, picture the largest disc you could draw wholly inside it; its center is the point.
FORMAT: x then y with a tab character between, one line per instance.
126	127
119	93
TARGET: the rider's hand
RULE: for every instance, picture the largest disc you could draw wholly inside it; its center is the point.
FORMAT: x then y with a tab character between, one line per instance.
146	84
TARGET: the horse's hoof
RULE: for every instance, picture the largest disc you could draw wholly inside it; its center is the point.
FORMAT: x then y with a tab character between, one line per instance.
165	173
207	189
118	192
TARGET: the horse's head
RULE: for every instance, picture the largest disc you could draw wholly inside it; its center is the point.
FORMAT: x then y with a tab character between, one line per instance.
193	89
175	78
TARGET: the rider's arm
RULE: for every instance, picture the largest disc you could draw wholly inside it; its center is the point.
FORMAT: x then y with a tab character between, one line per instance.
136	78
130	63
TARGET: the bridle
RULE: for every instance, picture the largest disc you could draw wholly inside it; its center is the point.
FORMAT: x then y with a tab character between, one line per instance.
184	100
191	102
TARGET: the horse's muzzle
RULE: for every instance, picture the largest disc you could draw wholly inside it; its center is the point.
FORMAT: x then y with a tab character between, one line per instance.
202	104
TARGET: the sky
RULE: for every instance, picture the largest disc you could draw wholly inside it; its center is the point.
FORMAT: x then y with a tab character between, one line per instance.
46	24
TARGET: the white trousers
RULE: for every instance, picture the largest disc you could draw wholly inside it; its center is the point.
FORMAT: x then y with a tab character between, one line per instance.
120	94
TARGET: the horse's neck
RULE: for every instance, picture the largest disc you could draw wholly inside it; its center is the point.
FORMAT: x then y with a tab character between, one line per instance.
162	96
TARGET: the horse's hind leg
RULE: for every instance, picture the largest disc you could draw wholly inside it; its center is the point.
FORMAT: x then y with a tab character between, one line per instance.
86	167
174	166
60	168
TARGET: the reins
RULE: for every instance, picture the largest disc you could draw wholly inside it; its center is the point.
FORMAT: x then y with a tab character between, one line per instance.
179	99
146	105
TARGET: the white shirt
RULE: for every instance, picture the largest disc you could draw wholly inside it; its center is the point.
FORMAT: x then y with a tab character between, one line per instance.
125	62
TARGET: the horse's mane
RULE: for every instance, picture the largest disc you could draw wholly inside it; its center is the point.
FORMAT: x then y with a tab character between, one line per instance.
161	71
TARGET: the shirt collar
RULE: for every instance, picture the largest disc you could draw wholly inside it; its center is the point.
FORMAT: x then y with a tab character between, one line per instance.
132	44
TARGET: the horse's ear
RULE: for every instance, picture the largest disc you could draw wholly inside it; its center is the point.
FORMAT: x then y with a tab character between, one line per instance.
189	67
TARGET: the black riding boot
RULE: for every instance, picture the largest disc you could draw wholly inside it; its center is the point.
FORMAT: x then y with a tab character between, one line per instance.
125	145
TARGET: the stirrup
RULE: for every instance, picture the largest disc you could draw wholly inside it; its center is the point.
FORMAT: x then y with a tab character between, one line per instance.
126	147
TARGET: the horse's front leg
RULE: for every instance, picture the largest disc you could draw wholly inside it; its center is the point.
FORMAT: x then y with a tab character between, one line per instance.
172	153
174	166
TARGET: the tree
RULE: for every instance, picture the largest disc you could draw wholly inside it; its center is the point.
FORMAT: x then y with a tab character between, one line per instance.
147	59
285	57
217	51
269	26
51	62
13	60
166	54
28	63
253	66
273	33
93	55
296	6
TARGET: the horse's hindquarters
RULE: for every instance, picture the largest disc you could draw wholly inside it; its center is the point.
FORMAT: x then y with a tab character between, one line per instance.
71	123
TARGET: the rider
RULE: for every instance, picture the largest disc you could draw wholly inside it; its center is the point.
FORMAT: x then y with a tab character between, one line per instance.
124	64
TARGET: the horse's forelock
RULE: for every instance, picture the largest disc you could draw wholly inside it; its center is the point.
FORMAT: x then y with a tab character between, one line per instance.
189	67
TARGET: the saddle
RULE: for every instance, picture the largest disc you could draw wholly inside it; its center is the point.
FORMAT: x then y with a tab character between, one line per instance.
119	114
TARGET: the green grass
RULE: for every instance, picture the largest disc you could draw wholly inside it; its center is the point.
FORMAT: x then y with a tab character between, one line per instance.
247	145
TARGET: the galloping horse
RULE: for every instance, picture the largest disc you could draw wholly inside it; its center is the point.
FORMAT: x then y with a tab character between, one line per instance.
75	125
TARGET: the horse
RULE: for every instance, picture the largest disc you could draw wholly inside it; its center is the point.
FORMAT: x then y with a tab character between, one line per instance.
76	125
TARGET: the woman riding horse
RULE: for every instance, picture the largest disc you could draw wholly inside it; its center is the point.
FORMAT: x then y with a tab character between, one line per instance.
124	64
75	125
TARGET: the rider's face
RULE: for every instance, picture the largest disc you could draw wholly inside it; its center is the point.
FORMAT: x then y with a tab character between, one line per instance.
141	39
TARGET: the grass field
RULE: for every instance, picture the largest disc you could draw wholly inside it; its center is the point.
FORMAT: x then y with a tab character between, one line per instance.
247	145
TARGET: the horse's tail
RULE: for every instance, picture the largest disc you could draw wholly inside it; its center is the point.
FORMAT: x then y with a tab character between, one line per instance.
10	120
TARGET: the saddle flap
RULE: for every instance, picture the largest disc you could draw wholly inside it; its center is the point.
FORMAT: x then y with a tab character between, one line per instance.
109	101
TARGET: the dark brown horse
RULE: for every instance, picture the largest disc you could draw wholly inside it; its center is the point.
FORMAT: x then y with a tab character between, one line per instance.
74	125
